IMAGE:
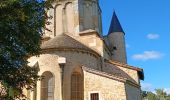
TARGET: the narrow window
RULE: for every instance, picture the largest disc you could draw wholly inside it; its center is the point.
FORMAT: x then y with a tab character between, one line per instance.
94	96
47	86
76	86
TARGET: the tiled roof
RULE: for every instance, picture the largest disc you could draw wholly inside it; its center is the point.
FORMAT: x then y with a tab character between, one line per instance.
139	70
64	41
111	76
117	71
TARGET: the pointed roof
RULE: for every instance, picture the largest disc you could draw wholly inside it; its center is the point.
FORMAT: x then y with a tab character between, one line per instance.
115	25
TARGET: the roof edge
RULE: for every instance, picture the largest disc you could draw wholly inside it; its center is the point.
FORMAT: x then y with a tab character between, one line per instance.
97	72
139	70
110	76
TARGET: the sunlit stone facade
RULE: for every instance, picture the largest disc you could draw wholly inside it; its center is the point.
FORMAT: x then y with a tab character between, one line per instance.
78	62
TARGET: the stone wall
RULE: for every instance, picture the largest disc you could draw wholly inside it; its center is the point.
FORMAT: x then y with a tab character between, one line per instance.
78	58
117	42
74	16
132	73
90	15
74	59
133	93
48	62
108	89
92	40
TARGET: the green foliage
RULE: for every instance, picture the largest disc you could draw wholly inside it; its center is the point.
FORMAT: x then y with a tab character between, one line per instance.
160	95
151	96
144	94
168	97
21	25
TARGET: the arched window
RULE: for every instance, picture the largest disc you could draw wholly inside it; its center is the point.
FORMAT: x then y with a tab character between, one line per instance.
47	86
76	86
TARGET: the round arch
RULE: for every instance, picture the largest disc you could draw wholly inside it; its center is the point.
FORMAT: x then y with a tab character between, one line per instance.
47	86
77	84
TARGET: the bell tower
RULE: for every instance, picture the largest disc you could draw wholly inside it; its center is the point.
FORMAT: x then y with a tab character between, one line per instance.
74	16
116	37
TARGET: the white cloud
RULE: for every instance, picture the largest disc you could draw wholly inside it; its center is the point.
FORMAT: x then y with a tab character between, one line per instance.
153	36
167	90
148	55
146	87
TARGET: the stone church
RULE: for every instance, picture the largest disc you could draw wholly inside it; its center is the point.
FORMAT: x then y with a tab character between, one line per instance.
78	62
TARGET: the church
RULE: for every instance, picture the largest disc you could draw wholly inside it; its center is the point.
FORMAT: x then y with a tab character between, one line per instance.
78	62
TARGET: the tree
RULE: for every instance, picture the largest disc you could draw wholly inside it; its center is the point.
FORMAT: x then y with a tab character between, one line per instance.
168	97
21	25
151	96
161	94
144	94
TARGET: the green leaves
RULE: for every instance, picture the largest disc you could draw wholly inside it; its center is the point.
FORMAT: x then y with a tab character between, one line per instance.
21	27
159	95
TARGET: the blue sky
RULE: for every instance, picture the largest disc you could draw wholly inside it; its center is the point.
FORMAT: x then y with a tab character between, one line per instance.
147	27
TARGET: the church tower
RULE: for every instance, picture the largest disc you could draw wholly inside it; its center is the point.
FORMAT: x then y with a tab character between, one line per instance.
117	40
77	62
74	16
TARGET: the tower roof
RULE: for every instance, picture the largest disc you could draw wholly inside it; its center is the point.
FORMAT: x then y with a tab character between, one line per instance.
115	25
